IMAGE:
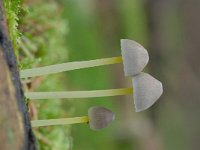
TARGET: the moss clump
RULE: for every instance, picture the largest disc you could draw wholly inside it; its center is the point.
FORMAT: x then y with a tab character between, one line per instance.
12	8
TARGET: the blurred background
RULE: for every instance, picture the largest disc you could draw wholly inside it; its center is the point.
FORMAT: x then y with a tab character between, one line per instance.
57	31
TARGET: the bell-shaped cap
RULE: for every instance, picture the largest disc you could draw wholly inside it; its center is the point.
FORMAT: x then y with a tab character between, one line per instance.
147	90
100	117
135	57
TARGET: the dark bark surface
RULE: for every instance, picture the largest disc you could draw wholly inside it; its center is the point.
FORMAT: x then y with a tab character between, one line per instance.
15	128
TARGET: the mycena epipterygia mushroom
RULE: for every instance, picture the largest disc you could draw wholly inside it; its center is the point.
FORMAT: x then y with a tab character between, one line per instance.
98	118
134	58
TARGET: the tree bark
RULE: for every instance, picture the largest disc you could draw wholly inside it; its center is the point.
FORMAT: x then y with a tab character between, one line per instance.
15	128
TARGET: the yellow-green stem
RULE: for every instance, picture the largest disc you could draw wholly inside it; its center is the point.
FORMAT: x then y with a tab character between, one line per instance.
68	66
78	94
63	121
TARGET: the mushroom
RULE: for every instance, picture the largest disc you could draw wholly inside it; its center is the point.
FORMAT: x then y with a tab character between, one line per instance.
146	91
98	118
134	57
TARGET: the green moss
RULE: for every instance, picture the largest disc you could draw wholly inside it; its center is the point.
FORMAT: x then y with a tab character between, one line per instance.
12	8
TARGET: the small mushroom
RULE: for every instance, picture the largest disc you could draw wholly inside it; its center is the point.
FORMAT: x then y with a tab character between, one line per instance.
135	57
98	118
147	90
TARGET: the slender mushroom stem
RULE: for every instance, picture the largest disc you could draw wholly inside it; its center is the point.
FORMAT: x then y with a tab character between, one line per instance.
63	121
68	66
78	94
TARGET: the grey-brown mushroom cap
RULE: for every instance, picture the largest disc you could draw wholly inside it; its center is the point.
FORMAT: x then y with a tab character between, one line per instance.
147	91
135	57
100	117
